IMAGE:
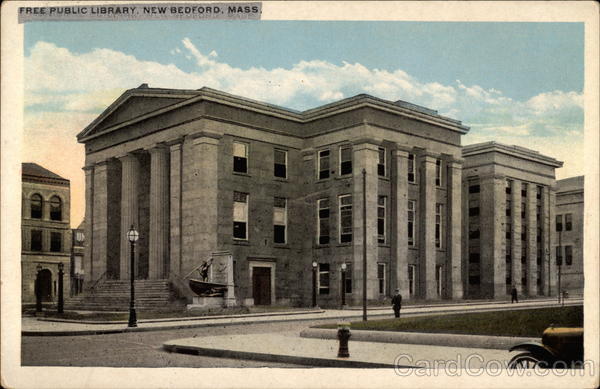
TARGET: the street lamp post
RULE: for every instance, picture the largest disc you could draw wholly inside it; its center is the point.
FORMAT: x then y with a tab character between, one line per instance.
343	285
38	289
132	236
314	284
61	301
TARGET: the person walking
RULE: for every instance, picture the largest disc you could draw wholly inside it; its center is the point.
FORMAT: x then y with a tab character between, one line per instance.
397	303
513	295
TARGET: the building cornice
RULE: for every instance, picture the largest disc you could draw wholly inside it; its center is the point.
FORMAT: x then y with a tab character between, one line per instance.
515	151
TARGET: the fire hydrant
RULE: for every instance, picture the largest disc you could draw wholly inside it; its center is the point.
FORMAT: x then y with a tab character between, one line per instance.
343	335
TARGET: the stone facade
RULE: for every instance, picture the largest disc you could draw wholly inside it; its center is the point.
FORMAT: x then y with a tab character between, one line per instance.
46	234
202	171
569	214
508	219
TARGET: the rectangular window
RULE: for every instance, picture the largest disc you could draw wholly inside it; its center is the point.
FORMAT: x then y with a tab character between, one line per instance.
538	195
538	214
523	210
474	188
240	157
559	259
345	160
280	164
381	204
279	220
474	211
381	162
438	172
438	225
411	222
345	202
508	187
568	222
508	208
55	242
411	168
381	277
508	231
240	215
323	278
559	224
568	255
474	258
474	280
348	285
323	164
523	190
323	222
412	275
36	240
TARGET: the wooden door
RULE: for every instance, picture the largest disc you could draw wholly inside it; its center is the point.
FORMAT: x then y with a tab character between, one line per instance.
261	285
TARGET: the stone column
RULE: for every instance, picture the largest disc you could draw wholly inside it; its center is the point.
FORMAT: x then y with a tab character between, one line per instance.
531	242
399	239
158	244
549	213
427	200
130	167
493	211
88	249
175	210
516	199
100	221
454	230
365	157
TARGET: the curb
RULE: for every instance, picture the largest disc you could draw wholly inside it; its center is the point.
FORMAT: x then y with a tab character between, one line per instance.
298	360
432	339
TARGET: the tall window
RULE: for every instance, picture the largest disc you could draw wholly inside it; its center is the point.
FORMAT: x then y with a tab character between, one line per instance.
523	210
411	168
345	218
474	188
508	207
55	208
568	255
411	222
279	219
438	225
240	157
381	204
438	172
36	240
280	163
412	274
323	278
36	206
568	222
55	241
323	223
381	277
381	162
559	259
240	215
348	285
345	160
559	224
538	194
508	189
523	190
323	164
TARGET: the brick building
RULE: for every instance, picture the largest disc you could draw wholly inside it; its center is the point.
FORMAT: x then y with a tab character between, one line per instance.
46	238
201	171
509	200
568	234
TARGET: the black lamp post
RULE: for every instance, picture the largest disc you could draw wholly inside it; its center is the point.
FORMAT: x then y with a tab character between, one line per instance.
314	284
61	301
344	266
132	236
38	290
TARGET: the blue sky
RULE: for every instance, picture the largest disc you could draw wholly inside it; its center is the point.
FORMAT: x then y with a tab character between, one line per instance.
517	83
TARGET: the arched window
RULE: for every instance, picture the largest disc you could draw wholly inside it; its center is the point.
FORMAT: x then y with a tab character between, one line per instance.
36	206
55	208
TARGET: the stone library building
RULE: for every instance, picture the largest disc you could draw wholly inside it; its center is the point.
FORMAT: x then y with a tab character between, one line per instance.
292	194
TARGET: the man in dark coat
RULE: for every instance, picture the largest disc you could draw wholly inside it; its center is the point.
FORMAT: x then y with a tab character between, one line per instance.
397	303
513	295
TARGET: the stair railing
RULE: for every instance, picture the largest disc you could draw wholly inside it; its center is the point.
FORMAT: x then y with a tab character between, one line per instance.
101	278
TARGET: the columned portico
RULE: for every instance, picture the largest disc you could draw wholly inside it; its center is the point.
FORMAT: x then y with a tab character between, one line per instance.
130	170
159	213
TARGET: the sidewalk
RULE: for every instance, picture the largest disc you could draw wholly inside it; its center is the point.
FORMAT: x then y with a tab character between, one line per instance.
288	347
32	326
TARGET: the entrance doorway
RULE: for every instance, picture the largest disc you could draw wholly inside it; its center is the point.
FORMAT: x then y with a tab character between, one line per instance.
45	284
261	285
